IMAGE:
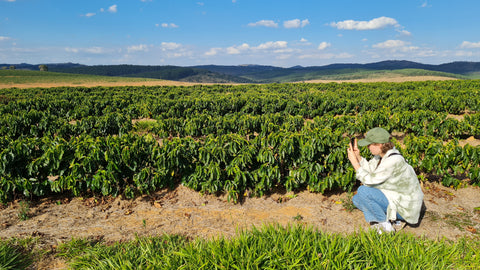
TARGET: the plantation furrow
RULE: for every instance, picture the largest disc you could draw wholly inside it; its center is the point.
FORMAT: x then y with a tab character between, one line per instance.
241	140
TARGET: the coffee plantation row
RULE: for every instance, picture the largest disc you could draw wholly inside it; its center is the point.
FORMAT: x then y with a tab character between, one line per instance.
243	140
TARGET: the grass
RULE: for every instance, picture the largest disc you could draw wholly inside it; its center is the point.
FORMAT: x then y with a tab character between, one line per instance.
347	202
18	253
29	76
13	77
269	247
12	257
277	247
461	221
357	74
23	211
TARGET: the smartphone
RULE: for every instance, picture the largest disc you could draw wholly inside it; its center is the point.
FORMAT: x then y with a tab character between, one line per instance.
352	141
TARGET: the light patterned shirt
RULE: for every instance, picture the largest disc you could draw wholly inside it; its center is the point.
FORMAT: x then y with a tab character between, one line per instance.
397	180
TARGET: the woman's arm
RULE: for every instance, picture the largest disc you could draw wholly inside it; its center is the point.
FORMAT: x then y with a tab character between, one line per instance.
385	170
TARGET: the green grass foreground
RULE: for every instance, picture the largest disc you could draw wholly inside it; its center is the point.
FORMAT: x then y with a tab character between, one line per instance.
269	247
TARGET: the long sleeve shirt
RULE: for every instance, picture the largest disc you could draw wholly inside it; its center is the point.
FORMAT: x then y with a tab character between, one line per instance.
397	180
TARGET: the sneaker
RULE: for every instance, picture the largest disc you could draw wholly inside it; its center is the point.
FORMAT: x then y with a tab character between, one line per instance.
398	225
383	227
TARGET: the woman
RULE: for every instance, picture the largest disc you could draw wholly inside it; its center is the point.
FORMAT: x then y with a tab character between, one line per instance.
390	190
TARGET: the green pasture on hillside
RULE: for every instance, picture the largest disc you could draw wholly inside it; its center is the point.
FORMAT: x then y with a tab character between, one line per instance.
13	77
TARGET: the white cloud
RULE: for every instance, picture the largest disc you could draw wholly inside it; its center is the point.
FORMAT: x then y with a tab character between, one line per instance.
425	5
326	56
91	50
26	50
169	50
277	47
72	50
266	23
283	56
304	42
296	23
233	50
404	32
11	0
426	53
170	46
470	45
137	48
167	25
4	38
95	50
91	14
213	51
244	46
390	44
272	45
112	9
324	45
377	23
395	46
305	22
238	49
464	54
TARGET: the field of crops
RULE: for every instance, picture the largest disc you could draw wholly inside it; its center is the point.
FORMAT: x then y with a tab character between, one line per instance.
240	140
244	140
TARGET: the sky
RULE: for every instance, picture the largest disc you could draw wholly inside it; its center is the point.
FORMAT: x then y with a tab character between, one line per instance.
281	33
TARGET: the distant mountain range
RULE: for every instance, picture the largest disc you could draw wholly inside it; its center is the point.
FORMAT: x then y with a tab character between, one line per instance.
265	74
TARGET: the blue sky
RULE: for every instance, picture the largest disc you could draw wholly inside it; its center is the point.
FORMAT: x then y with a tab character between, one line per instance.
233	32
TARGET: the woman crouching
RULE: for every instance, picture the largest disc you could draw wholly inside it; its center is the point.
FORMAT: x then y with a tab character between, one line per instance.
391	190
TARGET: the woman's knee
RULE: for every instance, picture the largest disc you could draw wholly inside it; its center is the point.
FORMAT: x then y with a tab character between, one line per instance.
356	200
359	197
364	195
361	193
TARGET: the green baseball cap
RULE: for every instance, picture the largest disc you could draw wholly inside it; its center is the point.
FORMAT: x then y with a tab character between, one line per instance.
375	135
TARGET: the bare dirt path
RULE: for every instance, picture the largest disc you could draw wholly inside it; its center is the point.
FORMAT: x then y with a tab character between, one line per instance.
450	213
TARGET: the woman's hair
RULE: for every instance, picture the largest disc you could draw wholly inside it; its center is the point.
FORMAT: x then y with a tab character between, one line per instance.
387	146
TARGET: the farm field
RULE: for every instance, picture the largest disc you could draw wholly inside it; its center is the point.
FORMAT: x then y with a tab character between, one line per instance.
32	79
110	163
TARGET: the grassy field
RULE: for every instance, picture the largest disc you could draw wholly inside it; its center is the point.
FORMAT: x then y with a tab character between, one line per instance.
269	247
282	76
359	74
29	78
20	77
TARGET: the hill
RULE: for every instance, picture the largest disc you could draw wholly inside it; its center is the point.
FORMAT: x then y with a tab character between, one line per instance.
459	70
174	73
269	74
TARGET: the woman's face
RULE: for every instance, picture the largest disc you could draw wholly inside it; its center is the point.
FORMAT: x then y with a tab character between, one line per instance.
375	149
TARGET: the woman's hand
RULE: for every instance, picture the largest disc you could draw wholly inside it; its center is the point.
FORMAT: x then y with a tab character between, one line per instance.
356	150
354	154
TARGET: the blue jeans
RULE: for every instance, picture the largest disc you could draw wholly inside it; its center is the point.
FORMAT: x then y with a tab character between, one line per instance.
373	203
